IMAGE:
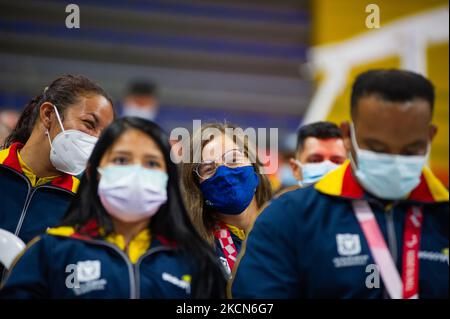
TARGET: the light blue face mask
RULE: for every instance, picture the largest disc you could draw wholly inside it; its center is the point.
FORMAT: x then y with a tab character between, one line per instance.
312	172
384	175
132	193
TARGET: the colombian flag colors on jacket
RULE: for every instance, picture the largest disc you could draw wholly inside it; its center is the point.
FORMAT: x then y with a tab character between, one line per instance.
67	264
309	244
29	205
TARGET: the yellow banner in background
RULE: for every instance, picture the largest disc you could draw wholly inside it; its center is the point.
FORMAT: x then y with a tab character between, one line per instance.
339	28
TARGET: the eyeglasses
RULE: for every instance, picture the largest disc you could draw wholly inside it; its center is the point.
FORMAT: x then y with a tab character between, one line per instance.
232	158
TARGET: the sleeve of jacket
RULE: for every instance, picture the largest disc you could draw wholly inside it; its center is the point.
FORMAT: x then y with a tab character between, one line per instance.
268	266
28	277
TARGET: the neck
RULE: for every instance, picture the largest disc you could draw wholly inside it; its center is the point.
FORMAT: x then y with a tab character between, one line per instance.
129	230
244	220
36	154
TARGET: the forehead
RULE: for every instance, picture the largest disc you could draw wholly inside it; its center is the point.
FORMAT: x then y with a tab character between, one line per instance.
135	142
326	147
97	105
394	120
217	147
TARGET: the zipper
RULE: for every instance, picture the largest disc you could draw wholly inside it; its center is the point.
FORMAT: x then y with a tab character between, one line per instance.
27	199
133	270
30	193
151	251
391	234
130	267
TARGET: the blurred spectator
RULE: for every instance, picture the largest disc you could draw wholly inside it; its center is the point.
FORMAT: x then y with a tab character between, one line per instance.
320	149
8	121
4	133
9	118
140	100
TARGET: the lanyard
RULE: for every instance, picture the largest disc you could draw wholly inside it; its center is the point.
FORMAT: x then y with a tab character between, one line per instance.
407	286
226	243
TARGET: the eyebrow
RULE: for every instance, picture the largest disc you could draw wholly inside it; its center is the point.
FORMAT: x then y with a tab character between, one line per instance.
416	143
153	156
122	152
374	141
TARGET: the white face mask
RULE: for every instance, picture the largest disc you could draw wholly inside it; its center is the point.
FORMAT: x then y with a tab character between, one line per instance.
312	172
145	112
384	175
132	193
70	150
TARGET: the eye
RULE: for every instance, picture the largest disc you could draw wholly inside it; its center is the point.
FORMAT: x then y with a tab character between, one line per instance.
154	164
206	169
337	160
315	159
120	160
89	124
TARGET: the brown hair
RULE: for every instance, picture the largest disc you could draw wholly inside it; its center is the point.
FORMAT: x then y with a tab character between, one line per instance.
63	93
200	214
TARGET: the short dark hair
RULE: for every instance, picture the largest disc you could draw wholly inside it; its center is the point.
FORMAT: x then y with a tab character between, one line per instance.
321	130
141	87
392	85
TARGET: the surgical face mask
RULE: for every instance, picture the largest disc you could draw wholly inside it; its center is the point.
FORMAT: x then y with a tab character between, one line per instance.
384	175
145	112
230	190
312	172
132	193
70	149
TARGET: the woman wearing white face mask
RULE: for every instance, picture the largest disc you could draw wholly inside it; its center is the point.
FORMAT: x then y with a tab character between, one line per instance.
49	146
127	234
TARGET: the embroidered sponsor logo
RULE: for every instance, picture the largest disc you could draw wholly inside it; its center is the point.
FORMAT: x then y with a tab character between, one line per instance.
434	256
359	260
88	270
348	244
183	283
84	277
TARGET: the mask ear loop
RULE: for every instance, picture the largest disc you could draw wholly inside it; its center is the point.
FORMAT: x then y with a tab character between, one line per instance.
355	146
300	165
59	118
60	124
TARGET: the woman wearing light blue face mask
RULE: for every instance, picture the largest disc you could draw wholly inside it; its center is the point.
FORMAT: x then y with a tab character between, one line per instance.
127	233
47	149
225	191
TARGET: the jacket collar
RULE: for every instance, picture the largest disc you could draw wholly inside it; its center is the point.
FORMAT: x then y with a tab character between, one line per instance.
92	231
342	183
10	159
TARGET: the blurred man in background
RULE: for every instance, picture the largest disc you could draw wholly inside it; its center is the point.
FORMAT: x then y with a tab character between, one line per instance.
320	149
140	100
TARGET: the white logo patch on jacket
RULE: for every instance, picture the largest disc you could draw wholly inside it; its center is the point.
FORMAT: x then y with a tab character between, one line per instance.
348	244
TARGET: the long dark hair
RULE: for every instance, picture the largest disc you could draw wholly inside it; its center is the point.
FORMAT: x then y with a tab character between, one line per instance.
171	221
63	92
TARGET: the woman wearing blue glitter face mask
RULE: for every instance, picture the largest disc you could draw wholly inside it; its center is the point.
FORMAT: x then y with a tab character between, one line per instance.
225	191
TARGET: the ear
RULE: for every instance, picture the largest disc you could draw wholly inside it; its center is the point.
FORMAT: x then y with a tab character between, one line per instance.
46	114
296	170
432	131
345	128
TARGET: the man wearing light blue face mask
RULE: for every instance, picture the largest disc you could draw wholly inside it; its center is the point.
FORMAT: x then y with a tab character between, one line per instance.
320	149
376	227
